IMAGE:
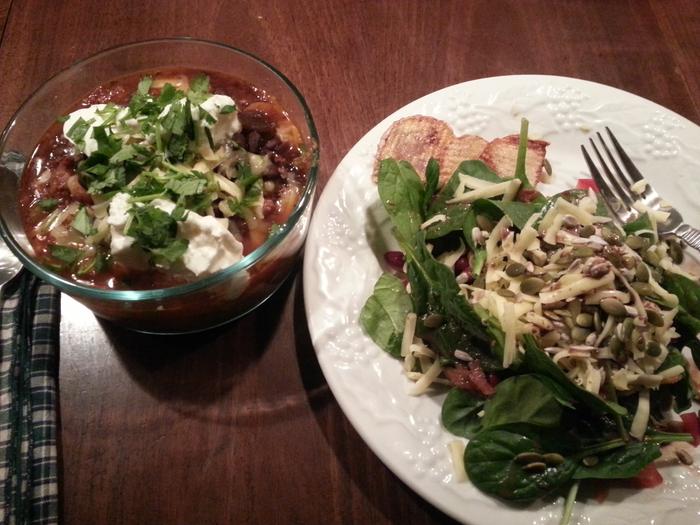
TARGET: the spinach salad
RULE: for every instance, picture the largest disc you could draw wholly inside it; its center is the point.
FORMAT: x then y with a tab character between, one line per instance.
557	331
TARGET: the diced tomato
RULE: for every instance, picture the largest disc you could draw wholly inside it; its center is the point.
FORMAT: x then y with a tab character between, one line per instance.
691	423
648	478
470	378
587	184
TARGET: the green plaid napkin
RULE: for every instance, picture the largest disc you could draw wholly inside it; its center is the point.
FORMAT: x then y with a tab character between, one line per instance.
29	322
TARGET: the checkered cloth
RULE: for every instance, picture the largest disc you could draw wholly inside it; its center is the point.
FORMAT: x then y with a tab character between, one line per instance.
29	315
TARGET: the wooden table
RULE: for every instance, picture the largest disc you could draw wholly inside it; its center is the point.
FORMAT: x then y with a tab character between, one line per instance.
238	425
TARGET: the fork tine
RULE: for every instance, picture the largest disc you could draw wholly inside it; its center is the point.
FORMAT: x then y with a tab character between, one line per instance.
634	173
624	179
608	196
621	194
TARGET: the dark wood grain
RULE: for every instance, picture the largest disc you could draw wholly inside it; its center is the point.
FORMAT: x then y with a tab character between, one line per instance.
238	425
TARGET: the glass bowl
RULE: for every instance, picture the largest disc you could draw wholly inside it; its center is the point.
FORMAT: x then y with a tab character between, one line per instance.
205	303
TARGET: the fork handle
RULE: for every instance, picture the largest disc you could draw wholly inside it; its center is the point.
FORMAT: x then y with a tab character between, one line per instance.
689	234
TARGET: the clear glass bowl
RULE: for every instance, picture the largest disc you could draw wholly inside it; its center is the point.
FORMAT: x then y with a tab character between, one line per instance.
205	303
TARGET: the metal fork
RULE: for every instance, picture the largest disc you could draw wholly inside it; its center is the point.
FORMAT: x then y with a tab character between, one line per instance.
614	185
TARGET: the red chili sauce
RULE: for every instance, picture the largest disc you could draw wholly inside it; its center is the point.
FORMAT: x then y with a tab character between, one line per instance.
51	174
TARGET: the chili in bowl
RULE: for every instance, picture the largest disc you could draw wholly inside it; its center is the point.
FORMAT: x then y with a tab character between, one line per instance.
171	193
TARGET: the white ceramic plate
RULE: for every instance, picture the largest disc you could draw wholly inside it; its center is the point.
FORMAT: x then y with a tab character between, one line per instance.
344	255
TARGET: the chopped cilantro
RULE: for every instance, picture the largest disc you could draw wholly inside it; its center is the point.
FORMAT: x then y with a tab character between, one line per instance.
206	116
147	185
47	204
179	213
126	153
151	227
78	130
170	253
107	145
82	222
200	84
144	85
227	109
169	94
65	254
187	183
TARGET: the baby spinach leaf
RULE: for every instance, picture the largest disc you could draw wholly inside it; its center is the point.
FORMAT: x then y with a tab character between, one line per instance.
518	212
536	361
473	168
620	463
460	413
456	214
687	291
401	191
442	293
682	391
522	399
490	461
384	314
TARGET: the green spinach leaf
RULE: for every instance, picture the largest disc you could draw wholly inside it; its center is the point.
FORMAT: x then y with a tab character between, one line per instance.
537	362
383	316
491	464
620	463
460	413
401	192
522	399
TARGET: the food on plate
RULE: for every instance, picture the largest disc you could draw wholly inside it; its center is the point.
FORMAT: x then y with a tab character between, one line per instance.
158	179
559	333
418	138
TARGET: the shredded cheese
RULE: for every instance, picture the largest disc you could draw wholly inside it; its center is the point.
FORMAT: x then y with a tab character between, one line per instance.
482	193
641	416
456	448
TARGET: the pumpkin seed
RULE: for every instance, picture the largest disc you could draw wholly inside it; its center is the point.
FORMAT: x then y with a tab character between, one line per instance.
635	242
684	457
505	292
652	258
433	320
553	458
611	237
585	320
642	272
617	348
586	231
536	466
627	329
532	285
582	251
579	334
654	317
528	457
653	349
549	339
612	306
515	269
590	461
535	257
675	251
644	289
